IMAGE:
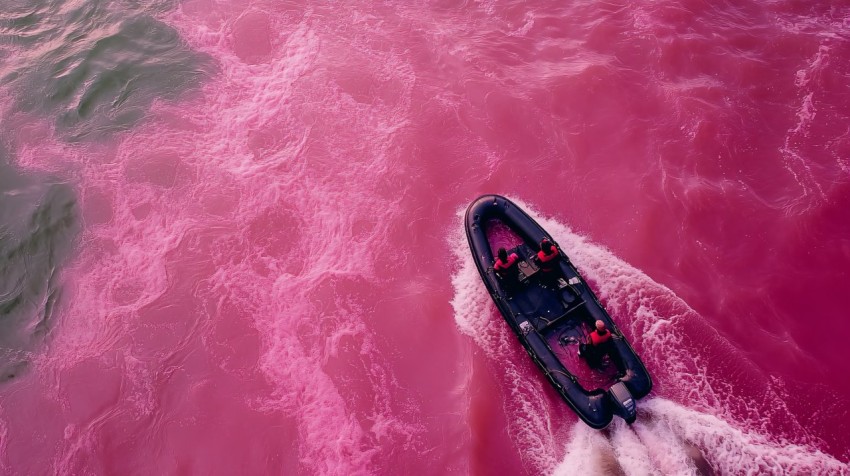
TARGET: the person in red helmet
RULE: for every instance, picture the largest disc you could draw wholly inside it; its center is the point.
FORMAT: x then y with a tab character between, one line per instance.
548	256
505	265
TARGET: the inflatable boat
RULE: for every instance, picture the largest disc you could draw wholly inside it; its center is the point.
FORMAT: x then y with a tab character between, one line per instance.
554	313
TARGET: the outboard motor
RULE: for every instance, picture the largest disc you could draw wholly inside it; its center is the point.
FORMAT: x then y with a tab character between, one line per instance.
624	404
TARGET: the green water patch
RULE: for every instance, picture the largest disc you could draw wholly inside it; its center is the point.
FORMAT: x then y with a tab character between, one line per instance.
94	67
38	223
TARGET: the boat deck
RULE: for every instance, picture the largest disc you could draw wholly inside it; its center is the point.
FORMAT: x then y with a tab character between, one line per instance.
557	311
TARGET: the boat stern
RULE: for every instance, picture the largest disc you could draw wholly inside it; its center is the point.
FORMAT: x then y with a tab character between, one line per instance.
622	402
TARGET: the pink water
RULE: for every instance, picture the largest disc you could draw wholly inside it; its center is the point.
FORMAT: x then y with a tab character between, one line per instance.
272	276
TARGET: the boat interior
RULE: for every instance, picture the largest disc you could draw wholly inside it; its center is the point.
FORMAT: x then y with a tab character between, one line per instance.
554	305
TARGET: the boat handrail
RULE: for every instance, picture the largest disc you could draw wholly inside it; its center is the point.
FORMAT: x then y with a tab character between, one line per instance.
562	316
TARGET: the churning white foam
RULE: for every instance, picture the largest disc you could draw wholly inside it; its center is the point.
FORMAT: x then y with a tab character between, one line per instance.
670	438
690	363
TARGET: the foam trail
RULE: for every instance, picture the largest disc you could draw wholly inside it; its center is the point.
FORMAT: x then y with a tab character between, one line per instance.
675	344
474	312
673	439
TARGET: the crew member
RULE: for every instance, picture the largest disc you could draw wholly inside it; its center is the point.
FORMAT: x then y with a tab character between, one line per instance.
598	347
505	265
601	335
548	256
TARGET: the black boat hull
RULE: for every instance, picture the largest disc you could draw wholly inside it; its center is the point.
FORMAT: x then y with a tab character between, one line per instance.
536	310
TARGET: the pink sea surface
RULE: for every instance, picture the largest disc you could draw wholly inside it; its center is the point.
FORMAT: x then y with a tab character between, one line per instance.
272	276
